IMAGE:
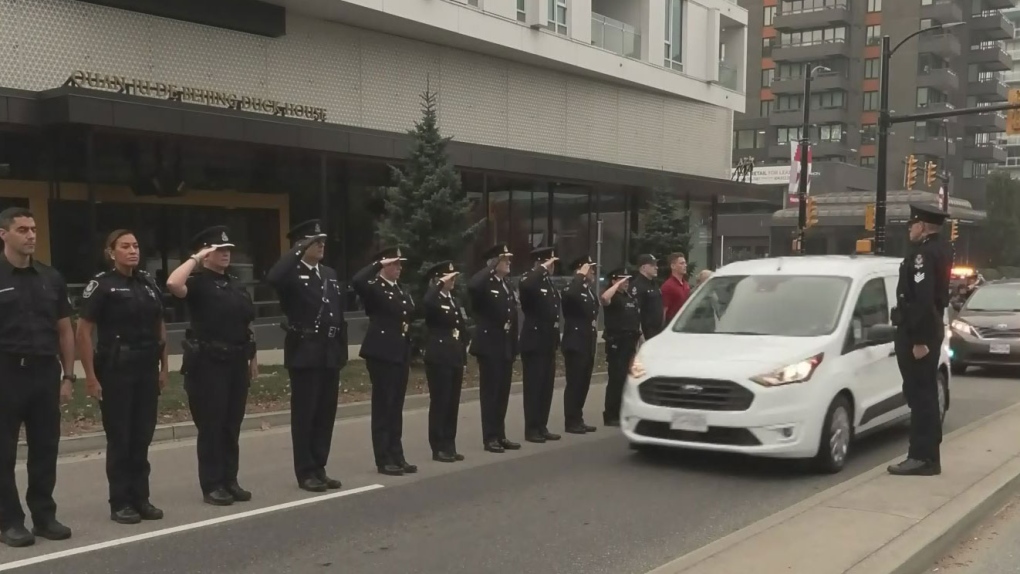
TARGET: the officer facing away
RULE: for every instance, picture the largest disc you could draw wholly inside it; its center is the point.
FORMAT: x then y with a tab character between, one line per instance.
35	329
219	361
314	350
445	358
648	295
540	338
922	294
622	332
580	331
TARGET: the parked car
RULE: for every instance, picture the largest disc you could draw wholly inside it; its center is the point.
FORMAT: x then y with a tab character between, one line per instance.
986	330
782	357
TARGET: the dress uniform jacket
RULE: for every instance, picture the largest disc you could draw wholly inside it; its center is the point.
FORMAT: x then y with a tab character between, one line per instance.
540	302
390	311
580	316
649	300
495	311
923	292
447	341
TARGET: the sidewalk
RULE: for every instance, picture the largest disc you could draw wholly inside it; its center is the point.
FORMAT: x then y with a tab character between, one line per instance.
876	523
992	548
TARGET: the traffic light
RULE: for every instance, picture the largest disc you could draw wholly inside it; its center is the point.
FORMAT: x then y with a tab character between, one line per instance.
954	229
930	175
864	246
812	213
869	217
911	171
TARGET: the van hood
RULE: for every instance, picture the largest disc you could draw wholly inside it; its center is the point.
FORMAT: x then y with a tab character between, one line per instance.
766	351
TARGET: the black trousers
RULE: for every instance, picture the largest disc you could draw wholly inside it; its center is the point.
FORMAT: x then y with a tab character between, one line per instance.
389	386
217	396
579	366
495	376
29	394
444	405
539	380
619	353
921	391
129	408
314	394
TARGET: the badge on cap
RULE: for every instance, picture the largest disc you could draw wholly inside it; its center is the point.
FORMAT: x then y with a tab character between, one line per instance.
506	249
451	268
318	229
224	237
919	261
398	252
90	289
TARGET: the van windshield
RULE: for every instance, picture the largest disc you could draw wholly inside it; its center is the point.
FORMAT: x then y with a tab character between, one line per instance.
779	305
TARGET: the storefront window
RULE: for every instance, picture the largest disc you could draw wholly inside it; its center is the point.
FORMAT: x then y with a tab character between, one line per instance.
612	204
571	223
521	211
21	155
473	186
701	235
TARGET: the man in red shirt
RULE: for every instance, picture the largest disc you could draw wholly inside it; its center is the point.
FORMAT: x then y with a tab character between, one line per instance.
676	289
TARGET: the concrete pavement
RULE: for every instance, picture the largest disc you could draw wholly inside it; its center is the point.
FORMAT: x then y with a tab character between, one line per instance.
992	548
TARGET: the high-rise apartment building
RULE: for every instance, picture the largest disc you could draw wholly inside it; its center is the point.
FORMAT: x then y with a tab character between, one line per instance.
939	70
1012	80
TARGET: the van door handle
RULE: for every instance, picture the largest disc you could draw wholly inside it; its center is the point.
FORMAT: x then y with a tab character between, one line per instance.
892	353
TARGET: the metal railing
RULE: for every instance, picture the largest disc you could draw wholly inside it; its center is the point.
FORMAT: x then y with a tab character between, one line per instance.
615	36
816	6
728	76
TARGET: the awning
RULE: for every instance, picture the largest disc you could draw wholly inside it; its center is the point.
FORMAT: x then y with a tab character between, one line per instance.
848	209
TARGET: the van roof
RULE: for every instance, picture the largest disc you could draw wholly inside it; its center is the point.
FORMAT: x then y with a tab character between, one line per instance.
834	265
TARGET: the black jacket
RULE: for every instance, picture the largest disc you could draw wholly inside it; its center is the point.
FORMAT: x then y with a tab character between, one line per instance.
446	342
390	311
580	316
540	302
494	308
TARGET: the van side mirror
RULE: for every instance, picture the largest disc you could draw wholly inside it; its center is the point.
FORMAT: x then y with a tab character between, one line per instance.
880	334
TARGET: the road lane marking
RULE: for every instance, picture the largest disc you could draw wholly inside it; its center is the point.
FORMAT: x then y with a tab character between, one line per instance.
183	528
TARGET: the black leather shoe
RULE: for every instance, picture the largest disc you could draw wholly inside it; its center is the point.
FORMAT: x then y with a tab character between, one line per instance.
443	457
534	437
914	467
458	457
391	470
576	429
494	446
237	493
17	536
312	485
509	445
331	483
51	530
126	515
549	436
148	512
218	497
408	468
589	428
612	422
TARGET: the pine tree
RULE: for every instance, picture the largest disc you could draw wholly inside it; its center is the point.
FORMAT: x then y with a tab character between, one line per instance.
664	229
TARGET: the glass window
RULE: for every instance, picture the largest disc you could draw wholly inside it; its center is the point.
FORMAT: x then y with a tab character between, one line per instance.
766	46
521	14
872	309
558	16
869	134
571	233
21	155
770	15
767	76
1004	297
765	108
612	204
868	161
872	68
473	186
674	34
871	101
874	5
874	34
520	208
365	207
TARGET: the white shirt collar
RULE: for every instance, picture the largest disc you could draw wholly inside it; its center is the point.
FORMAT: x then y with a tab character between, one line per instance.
311	267
388	282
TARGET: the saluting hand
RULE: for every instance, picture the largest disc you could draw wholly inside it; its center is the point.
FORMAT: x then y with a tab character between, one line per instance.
549	264
389	261
204	252
584	269
446	278
619	282
94	389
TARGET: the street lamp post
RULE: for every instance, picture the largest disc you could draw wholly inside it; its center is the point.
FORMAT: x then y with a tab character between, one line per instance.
805	142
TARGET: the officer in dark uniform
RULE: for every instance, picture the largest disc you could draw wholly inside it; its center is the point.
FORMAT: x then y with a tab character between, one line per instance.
387	353
644	289
540	338
35	328
922	296
314	350
622	332
580	317
496	313
219	360
126	371
445	358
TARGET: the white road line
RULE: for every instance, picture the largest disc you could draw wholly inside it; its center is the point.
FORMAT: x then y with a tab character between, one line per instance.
183	528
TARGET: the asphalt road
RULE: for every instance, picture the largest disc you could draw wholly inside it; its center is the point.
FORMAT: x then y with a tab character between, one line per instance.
581	505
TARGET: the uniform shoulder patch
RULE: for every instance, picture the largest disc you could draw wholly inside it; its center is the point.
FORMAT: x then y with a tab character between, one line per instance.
90	289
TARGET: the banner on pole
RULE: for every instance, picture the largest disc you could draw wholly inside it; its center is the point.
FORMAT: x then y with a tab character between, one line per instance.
943	200
792	195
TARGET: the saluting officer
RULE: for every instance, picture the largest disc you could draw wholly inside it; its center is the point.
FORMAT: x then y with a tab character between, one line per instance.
314	350
622	332
126	371
495	309
648	295
580	331
922	296
445	358
35	328
387	353
540	338
219	361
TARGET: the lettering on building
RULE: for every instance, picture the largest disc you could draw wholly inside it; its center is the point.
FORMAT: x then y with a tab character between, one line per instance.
175	93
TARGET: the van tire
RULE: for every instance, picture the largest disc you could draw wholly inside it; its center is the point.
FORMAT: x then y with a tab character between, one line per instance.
836	437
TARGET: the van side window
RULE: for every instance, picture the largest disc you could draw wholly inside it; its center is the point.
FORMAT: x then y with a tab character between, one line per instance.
872	308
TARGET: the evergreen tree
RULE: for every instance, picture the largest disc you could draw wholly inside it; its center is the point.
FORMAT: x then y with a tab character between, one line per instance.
1001	232
664	229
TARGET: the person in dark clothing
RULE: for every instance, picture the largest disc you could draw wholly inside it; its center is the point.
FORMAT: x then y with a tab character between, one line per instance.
540	338
922	296
646	292
125	371
622	332
445	359
580	333
219	360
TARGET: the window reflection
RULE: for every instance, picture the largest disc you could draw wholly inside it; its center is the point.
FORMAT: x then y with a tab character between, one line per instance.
570	223
614	215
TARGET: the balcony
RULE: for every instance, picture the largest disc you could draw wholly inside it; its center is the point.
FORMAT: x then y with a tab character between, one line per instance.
999	4
814	52
991	27
989	122
811	18
729	76
990	90
942	79
992	59
985	153
934	146
944	44
943	11
821	116
821	83
615	36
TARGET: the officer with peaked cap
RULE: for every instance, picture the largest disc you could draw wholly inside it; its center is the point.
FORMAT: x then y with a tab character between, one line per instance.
622	331
646	291
314	350
540	338
387	353
580	331
445	358
495	309
922	297
219	361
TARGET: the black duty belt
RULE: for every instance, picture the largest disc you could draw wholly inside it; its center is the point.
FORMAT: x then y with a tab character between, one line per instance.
312	333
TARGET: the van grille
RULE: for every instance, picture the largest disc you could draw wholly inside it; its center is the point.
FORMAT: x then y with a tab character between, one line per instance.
695	394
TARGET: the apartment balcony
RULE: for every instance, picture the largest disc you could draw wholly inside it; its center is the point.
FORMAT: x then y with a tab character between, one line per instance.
944	44
729	76
999	4
934	146
943	11
813	52
985	153
822	116
991	27
821	83
992	59
937	107
831	148
615	36
989	122
811	18
942	79
990	90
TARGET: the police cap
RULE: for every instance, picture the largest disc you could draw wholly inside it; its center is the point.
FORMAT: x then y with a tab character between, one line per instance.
617	274
543	253
218	235
581	262
440	269
497	250
393	252
305	229
927	214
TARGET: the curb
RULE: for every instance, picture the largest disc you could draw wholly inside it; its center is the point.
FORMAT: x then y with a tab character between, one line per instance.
96	441
909	552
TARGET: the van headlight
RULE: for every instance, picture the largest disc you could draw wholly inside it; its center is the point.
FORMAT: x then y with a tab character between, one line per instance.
963	328
799	372
637	369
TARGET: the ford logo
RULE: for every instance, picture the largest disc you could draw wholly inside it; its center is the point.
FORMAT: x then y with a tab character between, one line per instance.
692	388
1002	326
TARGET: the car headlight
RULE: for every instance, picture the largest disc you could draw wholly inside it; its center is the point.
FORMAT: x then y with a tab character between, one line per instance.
637	369
798	372
963	328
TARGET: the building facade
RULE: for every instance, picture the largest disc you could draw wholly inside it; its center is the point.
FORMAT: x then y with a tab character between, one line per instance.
956	67
164	118
1012	81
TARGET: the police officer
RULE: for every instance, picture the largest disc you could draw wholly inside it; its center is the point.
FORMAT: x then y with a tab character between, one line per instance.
35	328
445	358
219	360
126	371
540	338
495	309
314	350
922	296
649	298
580	330
622	332
387	353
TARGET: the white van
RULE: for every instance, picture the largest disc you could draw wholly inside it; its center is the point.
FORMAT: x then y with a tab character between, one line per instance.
787	357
